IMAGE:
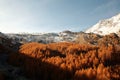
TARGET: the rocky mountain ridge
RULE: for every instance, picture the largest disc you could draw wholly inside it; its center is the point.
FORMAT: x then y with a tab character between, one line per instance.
44	37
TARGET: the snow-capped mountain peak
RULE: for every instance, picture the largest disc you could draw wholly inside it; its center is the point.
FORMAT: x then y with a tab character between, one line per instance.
107	26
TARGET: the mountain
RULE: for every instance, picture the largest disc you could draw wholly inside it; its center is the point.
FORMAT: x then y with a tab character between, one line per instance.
43	37
107	26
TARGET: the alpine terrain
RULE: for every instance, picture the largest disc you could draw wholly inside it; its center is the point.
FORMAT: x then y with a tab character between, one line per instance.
90	55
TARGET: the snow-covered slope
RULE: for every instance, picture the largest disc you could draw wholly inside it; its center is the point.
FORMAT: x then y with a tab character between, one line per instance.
107	26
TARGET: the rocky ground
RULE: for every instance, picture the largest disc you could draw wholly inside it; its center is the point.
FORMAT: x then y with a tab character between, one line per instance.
10	72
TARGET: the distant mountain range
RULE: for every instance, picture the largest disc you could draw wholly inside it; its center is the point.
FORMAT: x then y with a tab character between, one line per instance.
44	37
103	27
106	26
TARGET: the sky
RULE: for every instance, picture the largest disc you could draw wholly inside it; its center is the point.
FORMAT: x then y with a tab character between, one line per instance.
54	15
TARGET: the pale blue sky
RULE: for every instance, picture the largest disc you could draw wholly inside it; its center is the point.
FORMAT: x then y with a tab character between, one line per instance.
54	15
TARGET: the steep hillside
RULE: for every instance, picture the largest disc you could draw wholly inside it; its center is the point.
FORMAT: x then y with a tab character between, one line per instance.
8	72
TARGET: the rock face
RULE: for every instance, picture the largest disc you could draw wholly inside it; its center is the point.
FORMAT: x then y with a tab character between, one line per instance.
107	26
